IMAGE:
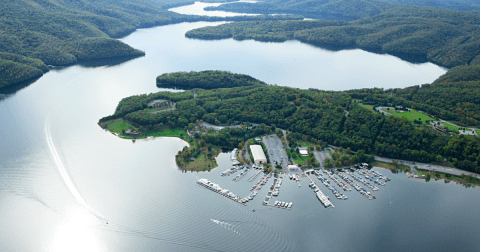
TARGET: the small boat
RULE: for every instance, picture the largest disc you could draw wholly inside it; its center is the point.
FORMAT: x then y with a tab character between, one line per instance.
253	209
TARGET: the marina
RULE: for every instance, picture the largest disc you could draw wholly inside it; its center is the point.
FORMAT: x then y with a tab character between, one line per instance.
325	200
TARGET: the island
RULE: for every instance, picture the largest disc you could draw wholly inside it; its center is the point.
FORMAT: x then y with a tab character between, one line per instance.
236	117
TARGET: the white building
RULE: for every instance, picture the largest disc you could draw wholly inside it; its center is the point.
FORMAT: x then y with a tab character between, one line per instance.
303	153
258	154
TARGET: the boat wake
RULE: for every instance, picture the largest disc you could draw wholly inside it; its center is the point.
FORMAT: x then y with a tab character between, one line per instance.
226	225
66	178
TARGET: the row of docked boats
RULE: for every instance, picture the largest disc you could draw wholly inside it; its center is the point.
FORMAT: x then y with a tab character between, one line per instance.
216	188
261	182
374	176
337	181
282	204
241	175
363	181
325	200
330	187
361	190
235	168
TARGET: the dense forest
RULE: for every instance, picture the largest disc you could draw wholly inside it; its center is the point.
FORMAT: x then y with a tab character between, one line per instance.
320	115
205	80
342	9
459	5
269	31
66	32
324	9
454	96
444	37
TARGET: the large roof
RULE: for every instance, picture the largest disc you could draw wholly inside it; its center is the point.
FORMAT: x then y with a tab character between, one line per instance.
258	153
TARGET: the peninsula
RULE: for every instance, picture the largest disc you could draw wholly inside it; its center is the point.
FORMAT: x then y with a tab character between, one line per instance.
315	117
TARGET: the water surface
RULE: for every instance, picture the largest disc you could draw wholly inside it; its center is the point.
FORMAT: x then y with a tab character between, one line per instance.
62	177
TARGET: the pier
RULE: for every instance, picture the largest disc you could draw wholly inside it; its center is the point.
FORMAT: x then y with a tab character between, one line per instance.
260	183
216	188
320	195
241	175
254	176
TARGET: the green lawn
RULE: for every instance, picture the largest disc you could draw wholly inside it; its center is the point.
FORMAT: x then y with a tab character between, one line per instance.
304	144
451	127
118	126
390	166
411	115
369	107
299	159
167	133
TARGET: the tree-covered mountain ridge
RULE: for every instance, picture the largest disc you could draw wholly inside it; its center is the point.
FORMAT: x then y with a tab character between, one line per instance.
445	37
64	32
318	115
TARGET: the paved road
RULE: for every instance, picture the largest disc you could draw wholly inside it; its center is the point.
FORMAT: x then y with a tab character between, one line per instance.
429	167
319	157
276	152
165	110
246	156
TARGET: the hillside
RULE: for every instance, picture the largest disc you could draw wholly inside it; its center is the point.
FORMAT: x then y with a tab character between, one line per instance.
317	115
323	9
67	32
419	34
459	5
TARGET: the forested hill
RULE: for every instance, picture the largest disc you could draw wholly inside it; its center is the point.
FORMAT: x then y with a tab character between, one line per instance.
65	32
460	5
205	80
318	115
322	9
445	37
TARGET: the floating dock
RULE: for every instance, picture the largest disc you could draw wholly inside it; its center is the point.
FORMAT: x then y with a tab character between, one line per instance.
241	175
254	176
216	188
320	195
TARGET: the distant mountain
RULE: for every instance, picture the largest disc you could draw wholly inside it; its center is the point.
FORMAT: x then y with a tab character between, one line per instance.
460	5
321	9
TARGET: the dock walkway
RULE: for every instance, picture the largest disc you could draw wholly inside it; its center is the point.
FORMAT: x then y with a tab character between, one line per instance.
254	176
215	188
321	196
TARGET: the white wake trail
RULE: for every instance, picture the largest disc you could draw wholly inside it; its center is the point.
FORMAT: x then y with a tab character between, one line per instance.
66	178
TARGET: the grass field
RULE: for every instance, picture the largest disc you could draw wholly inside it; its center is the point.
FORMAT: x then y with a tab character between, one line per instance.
299	159
118	125
201	163
167	133
390	166
411	115
369	107
451	127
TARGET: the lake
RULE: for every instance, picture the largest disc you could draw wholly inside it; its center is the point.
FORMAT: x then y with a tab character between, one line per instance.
62	177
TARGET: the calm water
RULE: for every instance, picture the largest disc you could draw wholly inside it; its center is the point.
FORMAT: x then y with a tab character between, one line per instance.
62	177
